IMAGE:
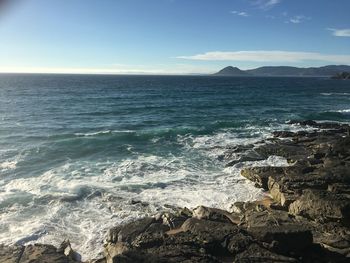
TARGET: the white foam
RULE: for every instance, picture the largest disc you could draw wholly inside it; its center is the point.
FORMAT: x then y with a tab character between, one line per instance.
8	165
335	93
93	133
102	132
344	111
82	200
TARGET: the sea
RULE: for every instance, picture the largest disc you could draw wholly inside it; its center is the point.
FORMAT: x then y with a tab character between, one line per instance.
80	154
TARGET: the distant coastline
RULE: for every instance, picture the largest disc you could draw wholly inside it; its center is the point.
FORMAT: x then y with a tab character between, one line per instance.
284	71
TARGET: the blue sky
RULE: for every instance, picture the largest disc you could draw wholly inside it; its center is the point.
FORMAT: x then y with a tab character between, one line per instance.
171	36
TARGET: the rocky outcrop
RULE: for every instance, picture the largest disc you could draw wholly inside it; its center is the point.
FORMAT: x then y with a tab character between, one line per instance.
38	253
343	75
305	216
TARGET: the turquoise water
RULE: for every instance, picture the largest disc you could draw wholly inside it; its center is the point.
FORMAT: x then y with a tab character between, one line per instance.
78	152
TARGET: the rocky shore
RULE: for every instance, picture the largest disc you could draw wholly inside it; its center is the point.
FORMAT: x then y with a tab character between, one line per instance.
305	216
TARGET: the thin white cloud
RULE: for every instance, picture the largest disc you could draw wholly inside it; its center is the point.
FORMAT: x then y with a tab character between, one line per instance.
298	19
340	32
274	56
266	4
238	13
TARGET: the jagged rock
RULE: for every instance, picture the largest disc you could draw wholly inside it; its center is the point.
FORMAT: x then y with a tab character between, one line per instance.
322	206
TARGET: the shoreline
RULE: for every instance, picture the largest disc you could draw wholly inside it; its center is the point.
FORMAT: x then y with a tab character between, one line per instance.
305	216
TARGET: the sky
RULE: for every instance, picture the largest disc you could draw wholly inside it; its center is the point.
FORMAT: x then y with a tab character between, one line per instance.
170	36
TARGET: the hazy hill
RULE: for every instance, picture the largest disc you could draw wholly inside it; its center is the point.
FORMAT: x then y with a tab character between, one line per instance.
326	71
231	71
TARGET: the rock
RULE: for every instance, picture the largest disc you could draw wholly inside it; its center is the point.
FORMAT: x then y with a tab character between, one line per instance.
39	253
211	235
342	76
10	254
256	253
260	175
279	194
322	206
129	231
173	221
267	218
67	249
209	230
112	251
284	239
238	242
214	214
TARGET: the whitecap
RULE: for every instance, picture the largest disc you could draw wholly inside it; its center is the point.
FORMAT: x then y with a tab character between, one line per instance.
92	133
344	111
335	94
8	165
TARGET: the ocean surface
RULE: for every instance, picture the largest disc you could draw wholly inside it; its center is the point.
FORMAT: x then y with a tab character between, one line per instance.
82	153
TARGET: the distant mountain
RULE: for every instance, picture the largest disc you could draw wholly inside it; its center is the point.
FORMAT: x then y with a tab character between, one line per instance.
231	71
280	71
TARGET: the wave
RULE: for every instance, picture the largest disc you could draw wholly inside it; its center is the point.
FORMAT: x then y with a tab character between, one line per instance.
335	94
103	132
8	165
344	111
